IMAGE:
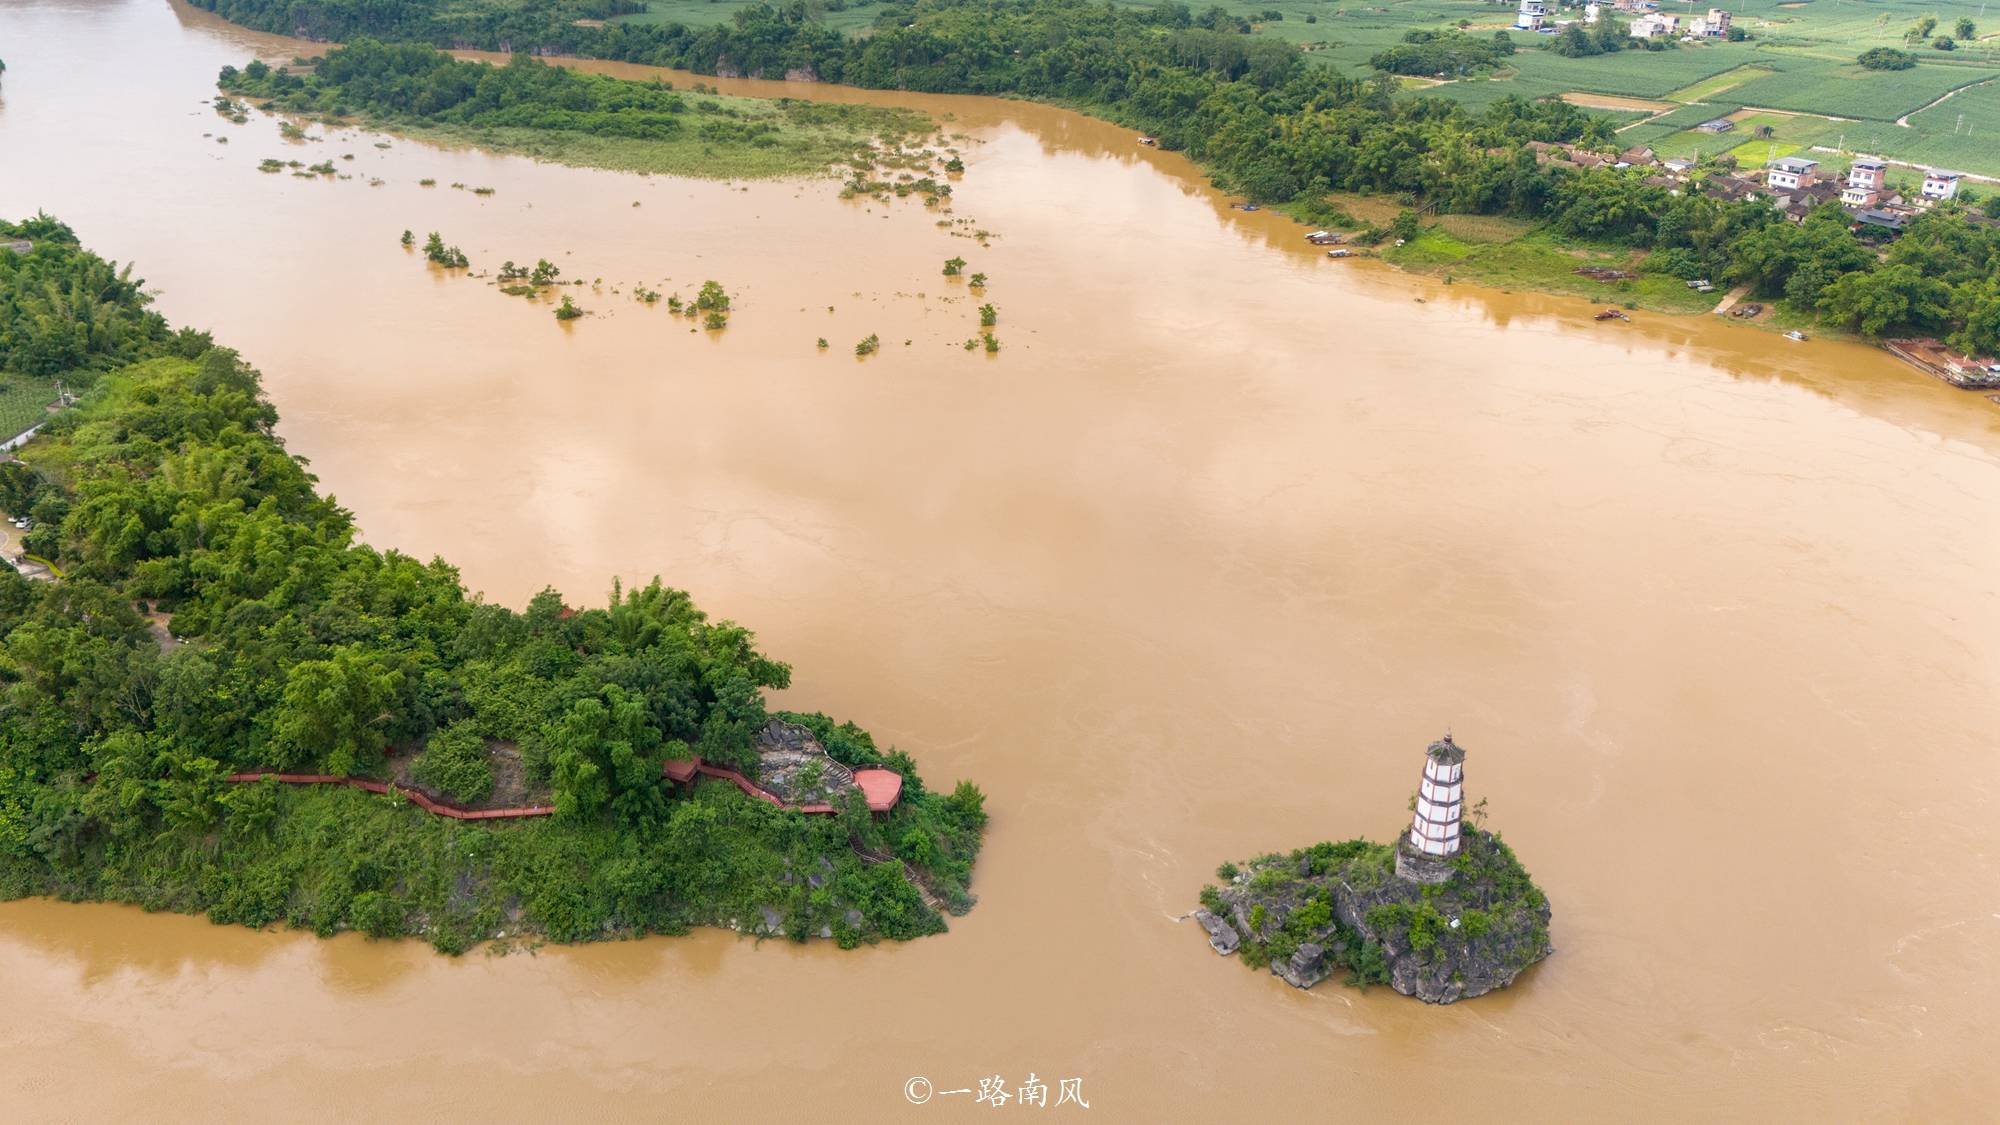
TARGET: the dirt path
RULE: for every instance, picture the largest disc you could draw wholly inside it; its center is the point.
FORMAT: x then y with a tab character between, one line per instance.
1617	101
1904	120
1646	120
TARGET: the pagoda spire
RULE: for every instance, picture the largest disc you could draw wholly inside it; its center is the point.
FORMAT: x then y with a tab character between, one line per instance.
1434	834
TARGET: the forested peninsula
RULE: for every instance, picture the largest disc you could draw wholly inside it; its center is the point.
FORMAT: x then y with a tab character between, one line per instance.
1269	123
207	614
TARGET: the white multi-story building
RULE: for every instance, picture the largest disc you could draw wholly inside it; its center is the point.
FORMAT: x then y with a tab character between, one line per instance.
1714	25
1940	184
1532	15
1655	26
1790	172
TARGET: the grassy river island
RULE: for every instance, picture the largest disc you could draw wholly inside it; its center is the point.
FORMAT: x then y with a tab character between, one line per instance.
215	619
550	113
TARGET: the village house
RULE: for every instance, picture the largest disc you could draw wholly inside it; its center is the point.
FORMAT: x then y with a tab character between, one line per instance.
1655	26
1531	15
1867	172
1864	182
1679	165
1715	25
1733	188
1716	125
1795	202
1940	185
1851	196
1640	6
1547	152
1887	220
1789	172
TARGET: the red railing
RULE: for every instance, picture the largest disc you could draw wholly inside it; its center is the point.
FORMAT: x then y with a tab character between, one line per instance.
882	794
416	798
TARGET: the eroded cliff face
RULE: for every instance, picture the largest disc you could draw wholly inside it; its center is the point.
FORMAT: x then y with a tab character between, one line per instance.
1343	907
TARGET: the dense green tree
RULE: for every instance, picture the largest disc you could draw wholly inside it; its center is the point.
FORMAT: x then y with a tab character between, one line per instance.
606	756
1875	301
335	710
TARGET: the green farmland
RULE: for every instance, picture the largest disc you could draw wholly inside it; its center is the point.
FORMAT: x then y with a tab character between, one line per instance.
1800	58
1811	86
24	401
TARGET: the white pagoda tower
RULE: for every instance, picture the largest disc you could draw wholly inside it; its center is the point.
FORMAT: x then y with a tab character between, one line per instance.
1424	853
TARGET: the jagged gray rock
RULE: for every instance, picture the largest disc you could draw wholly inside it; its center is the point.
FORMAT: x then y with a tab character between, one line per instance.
1305	967
1468	935
1222	937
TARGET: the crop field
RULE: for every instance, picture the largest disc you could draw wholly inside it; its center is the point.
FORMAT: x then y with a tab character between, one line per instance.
1676	122
1709	89
1638	74
1799	58
24	401
1972	112
1812	86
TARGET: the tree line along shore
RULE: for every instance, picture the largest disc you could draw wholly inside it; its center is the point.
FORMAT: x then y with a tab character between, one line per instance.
1270	124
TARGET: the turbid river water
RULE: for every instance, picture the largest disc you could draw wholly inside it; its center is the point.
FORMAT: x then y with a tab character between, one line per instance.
1191	570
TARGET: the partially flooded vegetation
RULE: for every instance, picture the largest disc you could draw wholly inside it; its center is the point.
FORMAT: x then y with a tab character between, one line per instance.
556	114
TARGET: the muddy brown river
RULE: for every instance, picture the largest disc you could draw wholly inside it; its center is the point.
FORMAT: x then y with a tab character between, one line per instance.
1192	569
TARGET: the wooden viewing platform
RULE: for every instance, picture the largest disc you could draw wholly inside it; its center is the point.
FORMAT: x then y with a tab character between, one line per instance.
882	787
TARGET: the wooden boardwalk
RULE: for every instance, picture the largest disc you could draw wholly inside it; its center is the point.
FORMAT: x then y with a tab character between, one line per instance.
416	798
882	788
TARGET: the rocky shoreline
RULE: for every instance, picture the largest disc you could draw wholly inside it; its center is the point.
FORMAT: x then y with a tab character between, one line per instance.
1347	906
